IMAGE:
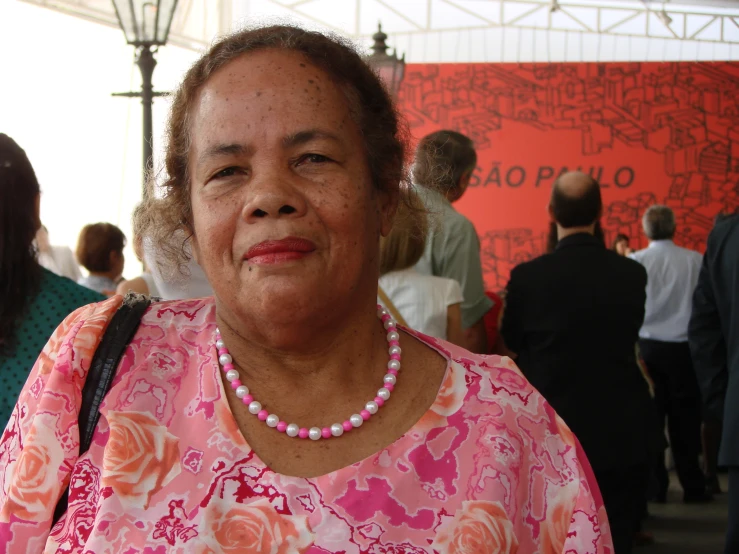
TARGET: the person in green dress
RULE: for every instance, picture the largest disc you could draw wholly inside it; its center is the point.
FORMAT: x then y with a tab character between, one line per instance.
33	300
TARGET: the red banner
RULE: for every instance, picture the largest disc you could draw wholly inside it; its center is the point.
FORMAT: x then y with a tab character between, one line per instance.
649	132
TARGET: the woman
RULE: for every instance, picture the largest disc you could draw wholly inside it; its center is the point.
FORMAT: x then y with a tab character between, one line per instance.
33	300
274	417
427	304
100	251
621	245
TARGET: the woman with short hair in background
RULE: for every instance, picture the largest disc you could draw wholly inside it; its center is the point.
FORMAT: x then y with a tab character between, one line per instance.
100	251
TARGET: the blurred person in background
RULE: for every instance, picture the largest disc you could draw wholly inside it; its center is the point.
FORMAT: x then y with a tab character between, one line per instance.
621	245
100	251
428	304
159	279
712	334
573	317
663	341
33	300
445	161
59	259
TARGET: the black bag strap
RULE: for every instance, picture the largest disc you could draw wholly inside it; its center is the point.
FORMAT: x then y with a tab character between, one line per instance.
113	344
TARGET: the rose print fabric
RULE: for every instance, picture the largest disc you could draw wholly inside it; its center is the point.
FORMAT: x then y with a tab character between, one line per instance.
490	468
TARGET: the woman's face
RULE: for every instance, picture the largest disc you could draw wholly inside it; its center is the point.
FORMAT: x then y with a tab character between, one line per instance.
287	221
622	247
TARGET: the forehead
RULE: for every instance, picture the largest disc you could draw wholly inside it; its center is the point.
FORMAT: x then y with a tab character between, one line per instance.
265	93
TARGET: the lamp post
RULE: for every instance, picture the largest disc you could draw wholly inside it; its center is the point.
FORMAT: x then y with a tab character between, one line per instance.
390	68
146	24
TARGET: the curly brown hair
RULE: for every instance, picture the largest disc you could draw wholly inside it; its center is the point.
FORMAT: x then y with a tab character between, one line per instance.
384	132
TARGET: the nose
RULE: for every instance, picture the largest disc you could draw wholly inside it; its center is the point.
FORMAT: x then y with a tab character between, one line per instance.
273	195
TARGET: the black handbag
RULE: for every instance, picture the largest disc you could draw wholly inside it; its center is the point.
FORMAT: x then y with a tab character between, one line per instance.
113	344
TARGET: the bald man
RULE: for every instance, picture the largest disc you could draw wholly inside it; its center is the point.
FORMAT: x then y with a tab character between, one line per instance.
573	317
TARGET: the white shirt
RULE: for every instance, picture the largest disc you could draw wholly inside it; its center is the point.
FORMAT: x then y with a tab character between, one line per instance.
422	300
61	261
169	282
672	275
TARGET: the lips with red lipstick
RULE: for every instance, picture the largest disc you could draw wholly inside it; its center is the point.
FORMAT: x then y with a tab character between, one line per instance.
278	251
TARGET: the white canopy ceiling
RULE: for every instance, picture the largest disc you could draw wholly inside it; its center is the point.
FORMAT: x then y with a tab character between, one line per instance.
432	30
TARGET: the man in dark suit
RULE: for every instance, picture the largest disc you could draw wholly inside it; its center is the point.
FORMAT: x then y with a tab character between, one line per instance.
573	318
713	334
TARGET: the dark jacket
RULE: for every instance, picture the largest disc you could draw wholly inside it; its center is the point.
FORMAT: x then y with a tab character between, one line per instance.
713	334
573	318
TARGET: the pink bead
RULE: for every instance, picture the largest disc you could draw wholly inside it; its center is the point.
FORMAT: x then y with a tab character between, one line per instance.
326	433
303	433
385	318
347	425
228	367
223	351
379	401
218	336
393	343
389	387
395	357
365	415
262	415
235	384
392	371
248	399
281	426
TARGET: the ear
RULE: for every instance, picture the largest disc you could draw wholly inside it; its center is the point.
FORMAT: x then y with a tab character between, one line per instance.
387	207
463	182
550	211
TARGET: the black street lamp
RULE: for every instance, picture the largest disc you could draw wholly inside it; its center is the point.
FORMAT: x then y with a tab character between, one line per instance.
146	25
390	68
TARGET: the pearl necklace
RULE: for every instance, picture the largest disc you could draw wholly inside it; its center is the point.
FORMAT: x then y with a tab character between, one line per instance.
337	429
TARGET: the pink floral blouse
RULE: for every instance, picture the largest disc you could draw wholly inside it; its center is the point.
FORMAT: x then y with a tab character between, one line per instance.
489	468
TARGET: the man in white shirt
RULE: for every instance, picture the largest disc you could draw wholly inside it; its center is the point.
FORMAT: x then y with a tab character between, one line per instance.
672	277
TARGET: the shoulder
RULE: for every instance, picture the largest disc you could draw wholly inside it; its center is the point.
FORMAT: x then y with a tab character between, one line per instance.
66	292
628	266
533	267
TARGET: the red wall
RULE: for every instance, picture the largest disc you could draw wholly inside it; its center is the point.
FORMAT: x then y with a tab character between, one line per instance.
649	132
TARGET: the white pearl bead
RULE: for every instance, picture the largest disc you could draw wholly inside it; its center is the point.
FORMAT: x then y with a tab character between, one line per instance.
382	312
390	323
292	430
395	350
371	407
256	407
232	374
314	433
393	364
389	379
356	420
383	393
393	335
218	331
273	420
337	429
220	344
225	359
242	391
